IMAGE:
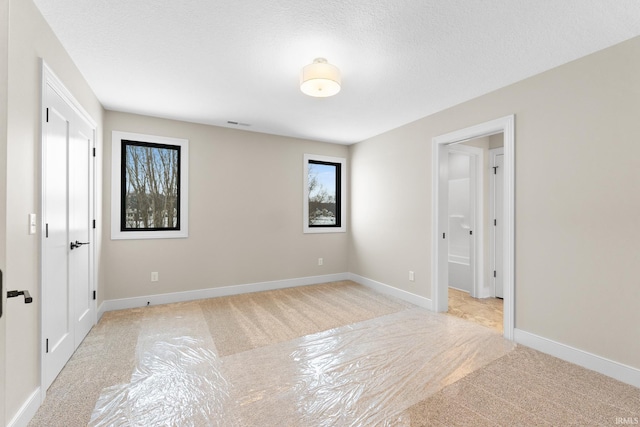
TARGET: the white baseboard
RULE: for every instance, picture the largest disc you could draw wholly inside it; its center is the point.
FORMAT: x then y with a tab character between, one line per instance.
124	303
390	290
619	371
27	411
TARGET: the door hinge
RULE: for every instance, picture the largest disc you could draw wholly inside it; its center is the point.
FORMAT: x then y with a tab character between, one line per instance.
470	232
443	235
94	223
47	346
495	170
494	273
94	295
47	115
46	230
495	222
94	151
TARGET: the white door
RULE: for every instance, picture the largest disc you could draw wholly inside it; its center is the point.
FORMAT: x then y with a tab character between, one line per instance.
465	207
56	307
462	218
497	211
80	181
4	69
67	287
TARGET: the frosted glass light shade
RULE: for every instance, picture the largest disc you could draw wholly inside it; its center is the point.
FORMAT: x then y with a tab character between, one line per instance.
320	79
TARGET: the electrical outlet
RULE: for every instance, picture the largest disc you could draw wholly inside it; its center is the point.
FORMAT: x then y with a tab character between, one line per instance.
154	276
320	261
412	276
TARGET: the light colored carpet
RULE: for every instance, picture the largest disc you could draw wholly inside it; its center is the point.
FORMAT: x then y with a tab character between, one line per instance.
326	355
107	356
529	388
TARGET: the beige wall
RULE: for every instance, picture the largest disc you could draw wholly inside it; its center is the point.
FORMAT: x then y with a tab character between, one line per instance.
30	38
577	185
496	141
245	214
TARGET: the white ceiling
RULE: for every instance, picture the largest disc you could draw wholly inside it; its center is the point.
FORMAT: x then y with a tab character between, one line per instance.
213	61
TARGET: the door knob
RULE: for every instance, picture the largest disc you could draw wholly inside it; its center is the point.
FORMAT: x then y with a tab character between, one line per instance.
76	244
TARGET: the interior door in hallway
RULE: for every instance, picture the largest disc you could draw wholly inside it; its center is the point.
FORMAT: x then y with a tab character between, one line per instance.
462	224
497	207
67	285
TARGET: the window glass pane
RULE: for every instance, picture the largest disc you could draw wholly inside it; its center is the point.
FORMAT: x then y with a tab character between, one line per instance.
150	186
323	193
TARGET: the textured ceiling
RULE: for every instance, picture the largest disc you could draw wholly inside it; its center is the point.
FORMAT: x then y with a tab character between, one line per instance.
214	61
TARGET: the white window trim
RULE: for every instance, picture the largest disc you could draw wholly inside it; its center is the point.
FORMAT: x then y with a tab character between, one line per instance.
116	234
343	195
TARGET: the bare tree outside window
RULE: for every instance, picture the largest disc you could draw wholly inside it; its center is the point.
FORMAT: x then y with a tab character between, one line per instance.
150	186
324	190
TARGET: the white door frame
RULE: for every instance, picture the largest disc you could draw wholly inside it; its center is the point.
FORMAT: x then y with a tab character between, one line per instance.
50	79
476	176
439	288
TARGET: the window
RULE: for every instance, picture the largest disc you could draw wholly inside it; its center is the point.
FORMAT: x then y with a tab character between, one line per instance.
324	194
148	186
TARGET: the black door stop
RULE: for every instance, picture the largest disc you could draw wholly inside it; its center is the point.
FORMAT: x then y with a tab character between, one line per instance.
27	295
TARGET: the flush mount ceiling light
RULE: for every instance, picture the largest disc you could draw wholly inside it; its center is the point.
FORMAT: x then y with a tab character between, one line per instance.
320	79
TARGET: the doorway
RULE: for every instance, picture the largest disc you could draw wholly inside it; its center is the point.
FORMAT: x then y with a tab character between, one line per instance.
440	225
67	227
472	224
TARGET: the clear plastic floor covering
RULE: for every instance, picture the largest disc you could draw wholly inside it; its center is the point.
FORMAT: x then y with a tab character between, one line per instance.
363	374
